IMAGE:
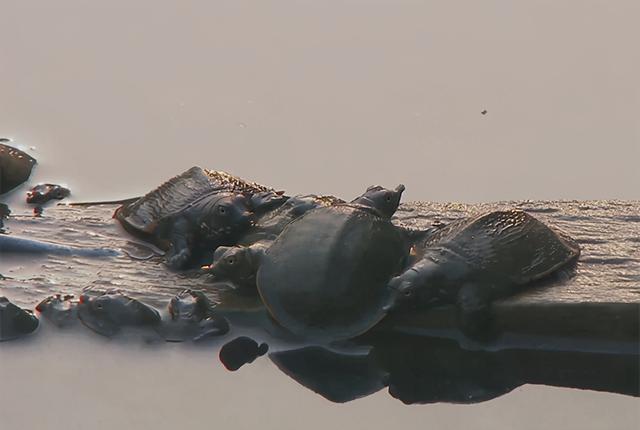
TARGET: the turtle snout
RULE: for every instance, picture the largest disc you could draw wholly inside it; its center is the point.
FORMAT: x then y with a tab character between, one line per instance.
248	219
403	287
400	189
212	270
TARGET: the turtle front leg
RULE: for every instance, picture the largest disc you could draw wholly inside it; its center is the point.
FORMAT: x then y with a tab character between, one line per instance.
179	254
474	312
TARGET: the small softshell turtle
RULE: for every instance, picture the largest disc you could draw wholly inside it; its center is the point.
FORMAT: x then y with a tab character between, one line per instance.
109	312
42	193
196	211
238	265
61	310
192	317
14	321
15	167
326	275
240	351
474	261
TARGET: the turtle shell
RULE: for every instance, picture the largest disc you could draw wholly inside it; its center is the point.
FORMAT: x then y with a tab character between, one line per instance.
325	276
15	167
273	223
142	216
511	243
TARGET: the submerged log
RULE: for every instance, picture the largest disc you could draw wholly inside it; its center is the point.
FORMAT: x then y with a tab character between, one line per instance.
524	323
596	309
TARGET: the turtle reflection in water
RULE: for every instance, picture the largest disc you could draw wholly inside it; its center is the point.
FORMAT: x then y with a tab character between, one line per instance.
419	370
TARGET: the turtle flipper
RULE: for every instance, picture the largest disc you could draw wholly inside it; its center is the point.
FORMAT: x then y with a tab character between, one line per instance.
179	259
179	255
474	312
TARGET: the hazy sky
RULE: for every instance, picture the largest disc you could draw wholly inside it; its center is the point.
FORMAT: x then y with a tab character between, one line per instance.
331	96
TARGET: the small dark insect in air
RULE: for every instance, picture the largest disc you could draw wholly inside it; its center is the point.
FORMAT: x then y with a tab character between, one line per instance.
484	112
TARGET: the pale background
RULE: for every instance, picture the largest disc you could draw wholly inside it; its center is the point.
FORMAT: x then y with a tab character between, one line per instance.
329	96
310	96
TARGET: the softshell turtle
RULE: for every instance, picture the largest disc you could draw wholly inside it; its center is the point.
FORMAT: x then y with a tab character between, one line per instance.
191	318
238	265
474	261
196	212
15	167
108	312
326	275
335	375
15	321
42	193
61	310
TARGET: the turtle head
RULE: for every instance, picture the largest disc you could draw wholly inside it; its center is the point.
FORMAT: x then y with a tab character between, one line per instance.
381	199
403	289
189	304
265	201
104	306
229	216
231	263
118	308
415	286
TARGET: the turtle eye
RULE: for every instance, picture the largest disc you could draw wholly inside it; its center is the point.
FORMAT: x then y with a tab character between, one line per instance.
231	260
388	197
222	210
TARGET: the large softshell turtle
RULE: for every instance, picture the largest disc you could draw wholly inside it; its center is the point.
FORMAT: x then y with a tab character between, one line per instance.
474	261
15	167
197	209
326	275
141	217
